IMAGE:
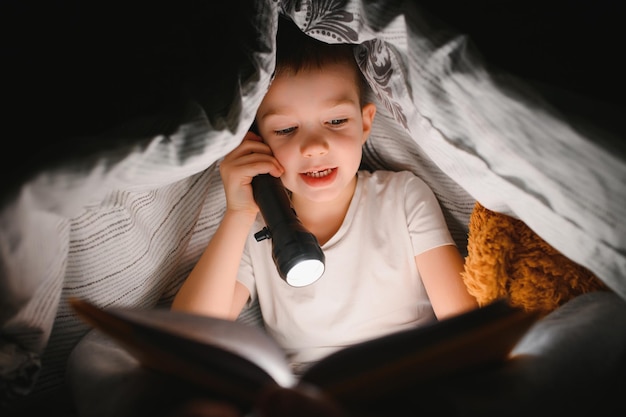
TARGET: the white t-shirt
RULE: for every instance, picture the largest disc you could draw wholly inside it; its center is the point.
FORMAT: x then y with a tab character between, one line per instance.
370	285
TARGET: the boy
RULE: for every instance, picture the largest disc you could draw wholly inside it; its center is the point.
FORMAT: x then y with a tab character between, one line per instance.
390	260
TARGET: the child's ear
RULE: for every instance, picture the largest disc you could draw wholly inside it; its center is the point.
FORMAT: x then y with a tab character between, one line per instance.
368	112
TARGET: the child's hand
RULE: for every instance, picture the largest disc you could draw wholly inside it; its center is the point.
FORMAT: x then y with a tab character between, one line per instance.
250	158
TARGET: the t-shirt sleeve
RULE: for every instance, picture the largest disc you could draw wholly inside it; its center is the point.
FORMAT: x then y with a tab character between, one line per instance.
425	221
245	275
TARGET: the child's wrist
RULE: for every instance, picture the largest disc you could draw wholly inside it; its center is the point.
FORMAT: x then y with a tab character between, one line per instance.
241	215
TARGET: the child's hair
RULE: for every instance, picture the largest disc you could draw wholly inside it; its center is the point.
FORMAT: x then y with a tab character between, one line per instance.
297	51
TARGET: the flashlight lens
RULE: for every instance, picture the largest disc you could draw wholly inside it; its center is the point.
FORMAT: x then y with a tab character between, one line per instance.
305	273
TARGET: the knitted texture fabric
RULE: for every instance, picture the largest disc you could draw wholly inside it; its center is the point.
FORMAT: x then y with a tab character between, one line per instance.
507	259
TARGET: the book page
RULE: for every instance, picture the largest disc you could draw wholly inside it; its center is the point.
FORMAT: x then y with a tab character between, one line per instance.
474	340
224	356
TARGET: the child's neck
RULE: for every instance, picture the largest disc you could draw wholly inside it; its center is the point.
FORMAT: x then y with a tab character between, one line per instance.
324	218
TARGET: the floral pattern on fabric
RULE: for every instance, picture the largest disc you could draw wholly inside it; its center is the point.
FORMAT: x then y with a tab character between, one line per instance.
374	59
331	20
328	18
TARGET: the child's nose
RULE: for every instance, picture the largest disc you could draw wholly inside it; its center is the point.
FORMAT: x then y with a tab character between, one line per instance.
313	144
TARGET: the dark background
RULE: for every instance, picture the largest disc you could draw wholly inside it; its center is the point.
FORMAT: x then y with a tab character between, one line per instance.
74	69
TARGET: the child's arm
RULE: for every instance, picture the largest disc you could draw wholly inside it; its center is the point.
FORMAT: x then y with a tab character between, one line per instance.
212	287
440	269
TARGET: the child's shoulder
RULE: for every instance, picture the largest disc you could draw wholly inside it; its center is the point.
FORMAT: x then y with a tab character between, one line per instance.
386	176
383	182
396	186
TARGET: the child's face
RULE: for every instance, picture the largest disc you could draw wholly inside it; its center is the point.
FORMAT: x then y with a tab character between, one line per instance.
315	126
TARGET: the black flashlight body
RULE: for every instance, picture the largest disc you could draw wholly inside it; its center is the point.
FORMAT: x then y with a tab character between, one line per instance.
292	243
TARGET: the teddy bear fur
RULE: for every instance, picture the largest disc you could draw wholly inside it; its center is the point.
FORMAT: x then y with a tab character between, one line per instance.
506	259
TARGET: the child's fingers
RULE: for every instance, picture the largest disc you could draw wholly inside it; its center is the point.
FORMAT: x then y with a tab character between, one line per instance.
250	159
253	136
253	152
250	144
259	163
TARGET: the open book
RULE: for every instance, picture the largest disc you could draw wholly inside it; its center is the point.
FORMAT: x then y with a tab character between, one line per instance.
237	362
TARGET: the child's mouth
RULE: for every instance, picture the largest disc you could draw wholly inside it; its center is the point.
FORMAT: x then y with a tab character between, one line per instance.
319	174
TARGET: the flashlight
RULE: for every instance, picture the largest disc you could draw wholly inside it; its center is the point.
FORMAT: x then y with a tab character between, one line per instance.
295	251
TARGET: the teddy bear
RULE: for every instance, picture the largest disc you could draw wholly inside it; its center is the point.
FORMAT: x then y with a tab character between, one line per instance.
506	259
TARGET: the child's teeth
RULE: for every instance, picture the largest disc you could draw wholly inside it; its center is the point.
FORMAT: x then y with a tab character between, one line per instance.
319	174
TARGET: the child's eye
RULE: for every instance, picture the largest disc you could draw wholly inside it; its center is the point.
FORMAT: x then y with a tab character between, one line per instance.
285	131
337	122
